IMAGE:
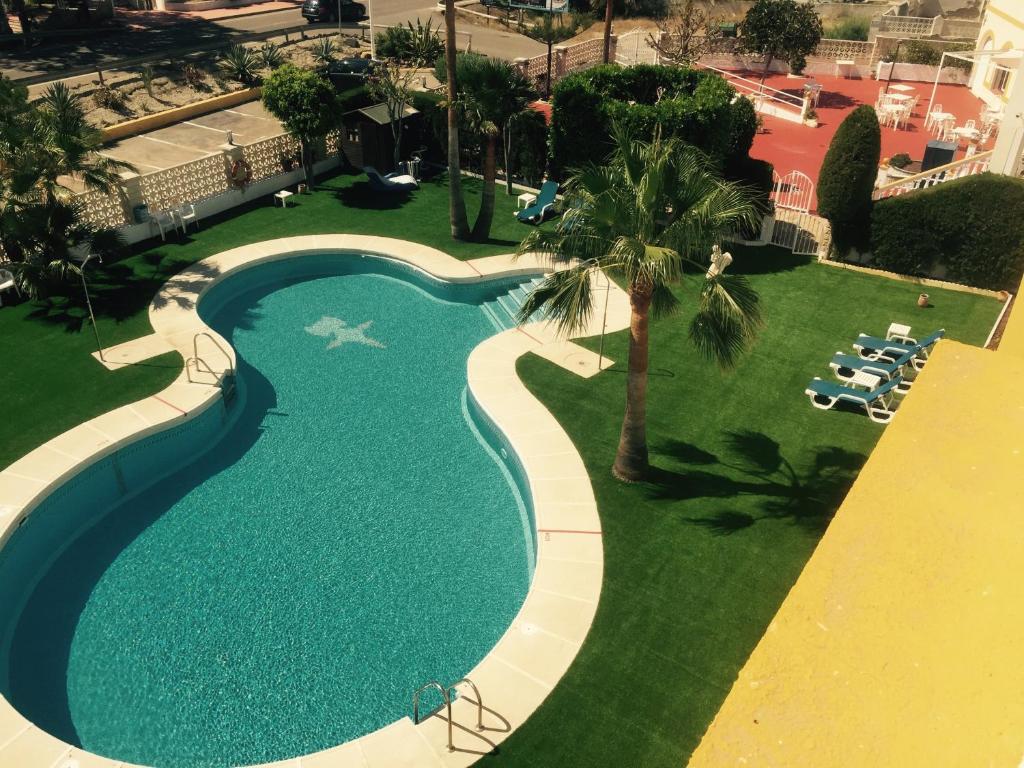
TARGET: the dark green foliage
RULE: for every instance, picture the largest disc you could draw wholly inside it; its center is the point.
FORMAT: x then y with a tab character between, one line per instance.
781	29
305	103
924	52
758	176
417	45
848	28
692	104
901	160
967	226
240	63
435	120
847	178
529	148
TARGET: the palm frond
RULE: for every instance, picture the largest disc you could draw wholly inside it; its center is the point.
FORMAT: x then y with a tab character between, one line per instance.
728	317
565	297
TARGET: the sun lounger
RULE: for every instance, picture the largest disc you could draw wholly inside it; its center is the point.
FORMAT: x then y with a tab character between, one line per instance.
845	366
874	348
877	403
392	182
536	213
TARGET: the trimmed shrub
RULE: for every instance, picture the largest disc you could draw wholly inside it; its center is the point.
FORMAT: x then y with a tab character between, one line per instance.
965	227
847	178
695	105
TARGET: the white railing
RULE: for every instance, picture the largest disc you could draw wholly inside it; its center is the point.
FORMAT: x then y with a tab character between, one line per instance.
967	166
911	26
766	99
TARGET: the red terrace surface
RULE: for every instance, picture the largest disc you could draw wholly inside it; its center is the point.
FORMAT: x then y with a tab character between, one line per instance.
794	147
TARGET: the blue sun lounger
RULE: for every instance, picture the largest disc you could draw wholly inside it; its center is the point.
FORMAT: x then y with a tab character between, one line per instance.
845	366
877	403
536	213
876	349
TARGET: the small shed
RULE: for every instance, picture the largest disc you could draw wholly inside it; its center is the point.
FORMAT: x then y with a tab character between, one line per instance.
367	138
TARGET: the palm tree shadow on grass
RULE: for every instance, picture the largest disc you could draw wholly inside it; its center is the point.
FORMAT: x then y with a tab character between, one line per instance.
362	196
119	292
755	466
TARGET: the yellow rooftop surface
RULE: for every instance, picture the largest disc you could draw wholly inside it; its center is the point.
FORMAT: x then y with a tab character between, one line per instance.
902	642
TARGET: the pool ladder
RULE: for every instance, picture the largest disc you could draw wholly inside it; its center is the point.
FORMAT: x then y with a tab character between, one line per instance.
225	379
446	698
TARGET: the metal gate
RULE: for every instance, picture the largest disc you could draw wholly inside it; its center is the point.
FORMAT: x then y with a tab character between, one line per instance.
635	48
794	191
802	233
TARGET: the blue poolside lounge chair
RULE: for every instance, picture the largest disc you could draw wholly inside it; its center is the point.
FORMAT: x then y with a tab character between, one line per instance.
392	182
877	403
845	366
537	212
874	348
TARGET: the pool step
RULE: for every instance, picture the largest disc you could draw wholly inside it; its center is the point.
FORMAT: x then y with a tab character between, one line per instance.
503	310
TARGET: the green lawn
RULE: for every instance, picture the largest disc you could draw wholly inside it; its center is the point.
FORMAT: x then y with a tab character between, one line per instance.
51	384
747	477
696	561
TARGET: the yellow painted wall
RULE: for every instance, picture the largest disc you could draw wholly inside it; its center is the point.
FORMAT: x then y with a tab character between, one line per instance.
1002	29
902	642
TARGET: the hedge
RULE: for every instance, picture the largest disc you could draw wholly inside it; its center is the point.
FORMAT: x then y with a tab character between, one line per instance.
694	105
847	178
971	227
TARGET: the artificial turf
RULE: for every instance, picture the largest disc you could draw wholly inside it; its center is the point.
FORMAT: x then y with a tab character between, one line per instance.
746	477
746	474
50	383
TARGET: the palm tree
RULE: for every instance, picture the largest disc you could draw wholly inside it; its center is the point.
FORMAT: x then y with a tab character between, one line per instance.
46	150
456	204
652	211
491	93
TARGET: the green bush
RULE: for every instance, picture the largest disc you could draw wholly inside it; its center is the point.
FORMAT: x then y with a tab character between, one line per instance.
961	225
758	175
695	105
924	52
417	45
529	148
847	178
848	28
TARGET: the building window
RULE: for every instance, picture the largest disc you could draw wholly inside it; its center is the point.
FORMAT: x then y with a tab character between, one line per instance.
1000	79
352	135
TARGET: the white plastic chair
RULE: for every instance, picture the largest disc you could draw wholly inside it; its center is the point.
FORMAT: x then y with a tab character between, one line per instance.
186	213
929	120
7	283
971	124
165	222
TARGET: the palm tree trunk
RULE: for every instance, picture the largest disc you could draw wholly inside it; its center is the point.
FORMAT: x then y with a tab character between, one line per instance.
506	145
482	227
607	30
631	457
456	204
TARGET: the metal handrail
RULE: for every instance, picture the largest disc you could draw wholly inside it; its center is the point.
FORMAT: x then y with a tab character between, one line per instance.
908	182
787	98
479	702
195	350
447	704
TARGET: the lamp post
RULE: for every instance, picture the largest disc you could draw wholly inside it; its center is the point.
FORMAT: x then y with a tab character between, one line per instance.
895	56
88	304
339	18
604	320
373	39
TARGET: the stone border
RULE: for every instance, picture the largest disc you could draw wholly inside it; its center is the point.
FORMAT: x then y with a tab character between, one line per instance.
543	639
164	118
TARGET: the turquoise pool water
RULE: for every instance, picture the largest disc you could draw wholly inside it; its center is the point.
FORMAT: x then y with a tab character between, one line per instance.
350	533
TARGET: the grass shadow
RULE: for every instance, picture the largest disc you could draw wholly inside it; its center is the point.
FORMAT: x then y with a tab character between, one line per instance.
362	195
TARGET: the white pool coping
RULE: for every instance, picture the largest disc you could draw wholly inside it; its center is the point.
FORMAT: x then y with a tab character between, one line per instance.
544	638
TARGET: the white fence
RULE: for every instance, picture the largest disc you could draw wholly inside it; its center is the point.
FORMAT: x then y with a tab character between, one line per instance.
635	48
967	166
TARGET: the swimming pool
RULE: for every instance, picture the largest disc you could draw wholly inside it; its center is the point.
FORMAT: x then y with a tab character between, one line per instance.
350	532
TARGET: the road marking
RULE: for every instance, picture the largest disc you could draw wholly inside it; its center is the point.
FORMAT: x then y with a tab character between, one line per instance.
254	117
218	130
179	146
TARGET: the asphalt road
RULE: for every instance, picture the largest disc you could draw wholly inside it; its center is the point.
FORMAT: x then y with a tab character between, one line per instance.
189	33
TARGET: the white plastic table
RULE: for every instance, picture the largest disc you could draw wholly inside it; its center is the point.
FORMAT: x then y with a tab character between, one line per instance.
527	199
901	88
898	332
867	380
963	132
845	65
899	98
283	196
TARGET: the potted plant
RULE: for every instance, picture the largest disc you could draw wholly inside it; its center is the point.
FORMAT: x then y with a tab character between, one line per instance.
922	300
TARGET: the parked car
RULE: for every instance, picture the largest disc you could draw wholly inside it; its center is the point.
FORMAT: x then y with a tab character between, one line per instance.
328	10
350	73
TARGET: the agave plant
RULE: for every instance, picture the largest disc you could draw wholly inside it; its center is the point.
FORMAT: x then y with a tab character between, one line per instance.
323	51
419	45
271	56
239	63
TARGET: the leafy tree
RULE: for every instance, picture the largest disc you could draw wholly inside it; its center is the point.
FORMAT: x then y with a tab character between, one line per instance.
307	106
393	87
847	178
650	212
492	93
781	29
688	33
456	203
43	148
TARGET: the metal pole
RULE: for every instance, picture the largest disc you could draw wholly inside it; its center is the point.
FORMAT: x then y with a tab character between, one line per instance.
88	304
339	18
373	38
935	85
604	322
